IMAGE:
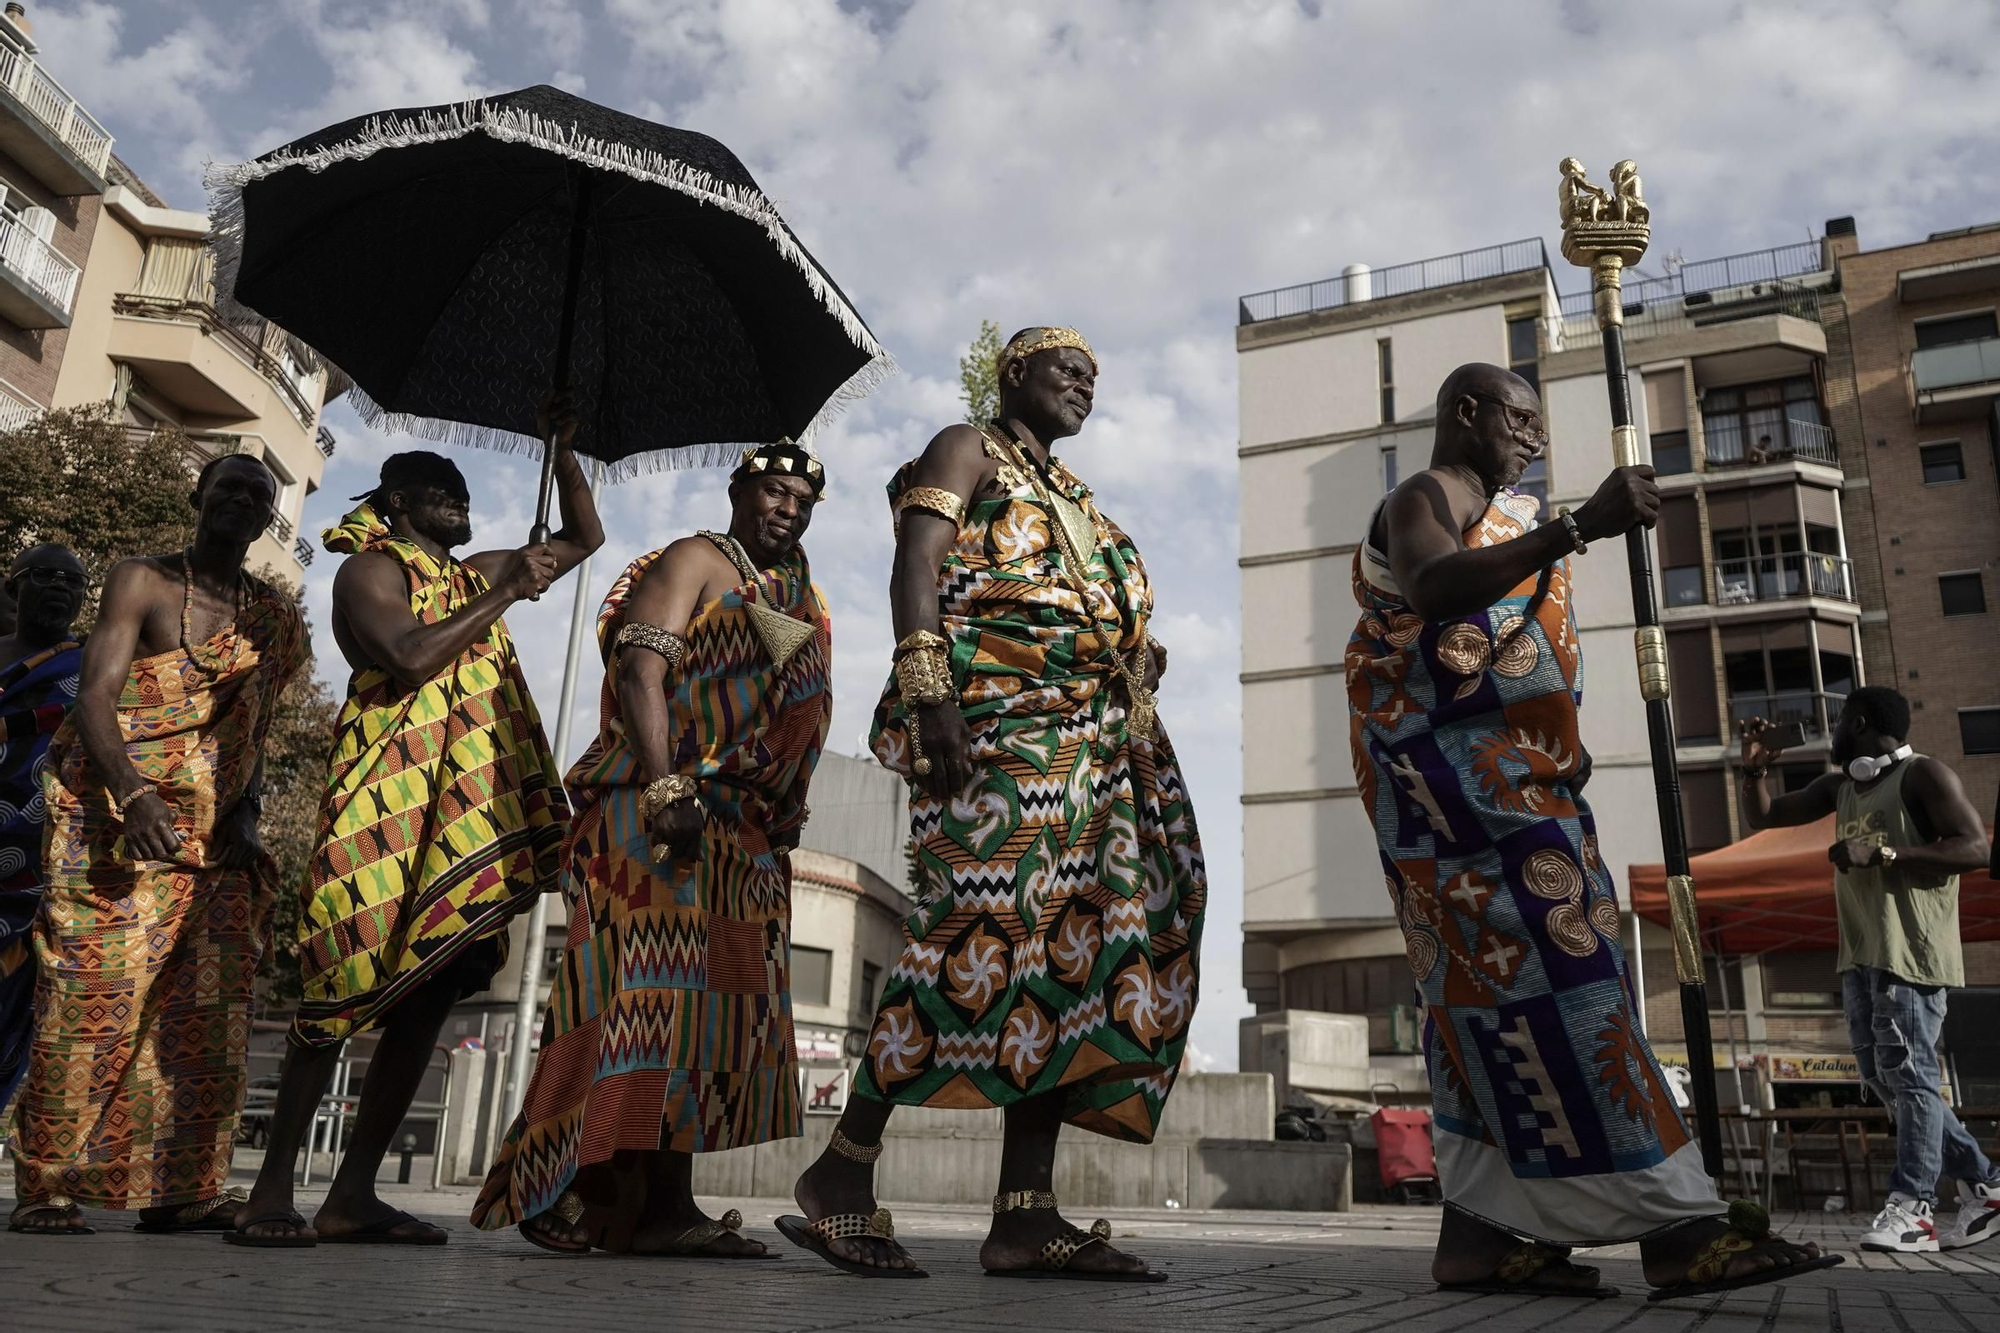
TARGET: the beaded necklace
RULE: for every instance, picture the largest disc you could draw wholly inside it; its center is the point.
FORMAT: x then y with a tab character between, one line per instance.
188	645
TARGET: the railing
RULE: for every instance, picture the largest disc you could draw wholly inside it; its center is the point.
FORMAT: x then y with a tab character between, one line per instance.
258	343
1400	280
326	442
1814	712
302	551
1956	365
281	528
1802	439
1667	318
1774	578
16	409
1707	275
38	262
54	107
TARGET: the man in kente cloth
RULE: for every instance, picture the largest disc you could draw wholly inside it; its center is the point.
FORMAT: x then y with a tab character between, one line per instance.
1554	1125
669	1026
443	818
40	666
1050	968
159	890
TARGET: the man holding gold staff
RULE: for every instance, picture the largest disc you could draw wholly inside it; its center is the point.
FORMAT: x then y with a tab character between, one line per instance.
1554	1125
1050	968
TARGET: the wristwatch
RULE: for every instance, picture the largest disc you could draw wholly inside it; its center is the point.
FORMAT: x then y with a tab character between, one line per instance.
1887	856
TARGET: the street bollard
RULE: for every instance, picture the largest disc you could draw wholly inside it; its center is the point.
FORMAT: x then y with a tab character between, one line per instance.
409	1154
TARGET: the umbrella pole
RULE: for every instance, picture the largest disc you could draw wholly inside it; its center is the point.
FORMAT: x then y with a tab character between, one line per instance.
565	341
528	1001
1606	231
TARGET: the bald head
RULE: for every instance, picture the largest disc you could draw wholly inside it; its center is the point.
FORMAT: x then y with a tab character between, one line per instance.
1489	420
1475	378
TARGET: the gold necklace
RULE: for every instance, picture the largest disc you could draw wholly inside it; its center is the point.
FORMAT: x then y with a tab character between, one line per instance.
782	635
1141	718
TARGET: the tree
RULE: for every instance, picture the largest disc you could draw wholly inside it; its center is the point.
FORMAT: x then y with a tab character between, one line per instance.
82	477
978	378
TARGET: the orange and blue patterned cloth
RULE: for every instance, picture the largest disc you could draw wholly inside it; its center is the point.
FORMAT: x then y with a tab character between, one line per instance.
444	815
36	694
1056	944
669	1025
145	970
1553	1120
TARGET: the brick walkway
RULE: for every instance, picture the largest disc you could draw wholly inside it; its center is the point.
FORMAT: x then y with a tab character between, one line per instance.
1251	1271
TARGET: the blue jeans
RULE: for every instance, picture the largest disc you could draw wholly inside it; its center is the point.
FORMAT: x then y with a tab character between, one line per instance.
1893	1027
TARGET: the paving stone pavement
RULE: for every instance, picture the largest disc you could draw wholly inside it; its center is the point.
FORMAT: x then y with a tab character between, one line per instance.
1344	1272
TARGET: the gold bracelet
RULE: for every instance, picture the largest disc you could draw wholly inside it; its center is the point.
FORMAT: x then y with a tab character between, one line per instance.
131	797
933	500
923	677
920	763
663	792
921	638
654	639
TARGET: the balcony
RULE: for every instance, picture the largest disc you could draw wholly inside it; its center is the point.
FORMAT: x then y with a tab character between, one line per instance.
1815	712
1956	381
16	408
187	351
1805	441
37	285
1960	277
1666	315
324	438
44	129
302	551
1777	578
1424	275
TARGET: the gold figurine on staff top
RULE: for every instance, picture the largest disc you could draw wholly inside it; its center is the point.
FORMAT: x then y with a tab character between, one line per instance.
1604	231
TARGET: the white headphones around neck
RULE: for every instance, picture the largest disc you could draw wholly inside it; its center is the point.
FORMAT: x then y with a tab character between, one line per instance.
1868	767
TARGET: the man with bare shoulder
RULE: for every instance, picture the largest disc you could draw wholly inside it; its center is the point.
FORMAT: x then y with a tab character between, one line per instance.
444	816
158	887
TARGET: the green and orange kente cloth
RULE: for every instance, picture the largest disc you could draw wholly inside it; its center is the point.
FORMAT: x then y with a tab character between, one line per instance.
669	1026
1057	940
145	970
444	815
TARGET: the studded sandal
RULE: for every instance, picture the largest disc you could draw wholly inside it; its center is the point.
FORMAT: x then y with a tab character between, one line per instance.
1053	1261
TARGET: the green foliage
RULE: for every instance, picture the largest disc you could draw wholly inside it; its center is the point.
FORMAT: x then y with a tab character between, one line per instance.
978	378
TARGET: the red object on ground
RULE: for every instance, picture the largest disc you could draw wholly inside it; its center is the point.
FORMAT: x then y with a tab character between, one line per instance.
1774	891
1403	1146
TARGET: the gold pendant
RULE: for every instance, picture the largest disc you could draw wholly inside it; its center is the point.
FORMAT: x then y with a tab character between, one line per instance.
1142	717
782	635
1076	525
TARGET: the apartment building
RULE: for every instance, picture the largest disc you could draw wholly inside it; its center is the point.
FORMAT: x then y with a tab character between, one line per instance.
107	295
1822	420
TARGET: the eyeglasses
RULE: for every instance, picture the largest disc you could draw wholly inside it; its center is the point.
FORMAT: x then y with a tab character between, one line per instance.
43	576
1523	421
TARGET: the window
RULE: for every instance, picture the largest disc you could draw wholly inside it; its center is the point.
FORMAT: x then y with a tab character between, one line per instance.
1979	730
1535	481
1683	584
812	975
27	212
1962	594
1389	474
1386	373
871	977
1942	462
1805	979
1521	351
1765	423
1956	329
1671	455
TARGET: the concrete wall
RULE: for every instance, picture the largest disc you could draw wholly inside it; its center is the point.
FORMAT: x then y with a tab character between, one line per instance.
1311	860
861	811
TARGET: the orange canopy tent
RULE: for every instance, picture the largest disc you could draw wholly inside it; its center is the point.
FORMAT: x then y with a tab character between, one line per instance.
1774	891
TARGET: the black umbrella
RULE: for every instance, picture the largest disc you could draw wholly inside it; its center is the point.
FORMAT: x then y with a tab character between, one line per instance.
460	261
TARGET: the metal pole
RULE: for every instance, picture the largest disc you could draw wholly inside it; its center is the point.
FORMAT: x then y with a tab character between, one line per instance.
1607	232
526	1003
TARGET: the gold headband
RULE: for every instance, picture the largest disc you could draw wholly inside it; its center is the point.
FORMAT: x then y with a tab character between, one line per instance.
1030	341
786	457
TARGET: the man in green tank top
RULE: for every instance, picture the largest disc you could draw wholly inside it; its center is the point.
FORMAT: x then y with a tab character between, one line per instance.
1904	831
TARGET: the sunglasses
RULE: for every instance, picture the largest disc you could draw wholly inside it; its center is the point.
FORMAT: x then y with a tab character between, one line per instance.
1523	421
41	576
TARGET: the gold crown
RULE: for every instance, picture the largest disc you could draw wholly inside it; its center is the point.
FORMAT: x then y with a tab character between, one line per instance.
1030	341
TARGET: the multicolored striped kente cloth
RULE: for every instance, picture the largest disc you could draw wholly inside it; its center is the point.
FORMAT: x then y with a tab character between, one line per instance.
145	970
1057	940
36	694
669	1027
1553	1118
444	815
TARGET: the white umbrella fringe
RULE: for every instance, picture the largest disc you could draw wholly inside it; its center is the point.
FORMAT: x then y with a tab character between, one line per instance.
226	185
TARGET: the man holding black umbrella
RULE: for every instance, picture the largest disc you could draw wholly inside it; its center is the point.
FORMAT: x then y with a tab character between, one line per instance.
444	816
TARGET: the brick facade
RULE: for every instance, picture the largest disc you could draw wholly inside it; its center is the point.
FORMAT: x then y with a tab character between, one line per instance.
30	358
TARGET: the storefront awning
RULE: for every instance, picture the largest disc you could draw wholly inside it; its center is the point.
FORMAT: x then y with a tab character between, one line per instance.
1774	891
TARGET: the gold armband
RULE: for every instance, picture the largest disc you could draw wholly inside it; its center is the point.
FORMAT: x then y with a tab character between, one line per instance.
922	638
653	639
663	792
923	677
931	499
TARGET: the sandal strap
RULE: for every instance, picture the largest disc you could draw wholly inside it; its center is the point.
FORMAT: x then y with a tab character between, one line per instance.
569	1207
842	1226
1035	1200
1715	1257
1062	1248
201	1209
1524	1261
705	1233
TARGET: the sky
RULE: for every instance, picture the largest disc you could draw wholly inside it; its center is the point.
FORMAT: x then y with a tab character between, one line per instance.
1129	168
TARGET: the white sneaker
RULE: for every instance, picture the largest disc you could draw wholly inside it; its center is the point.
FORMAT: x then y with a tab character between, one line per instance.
1903	1226
1978	1216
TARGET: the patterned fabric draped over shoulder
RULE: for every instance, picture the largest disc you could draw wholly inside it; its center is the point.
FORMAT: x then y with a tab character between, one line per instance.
444	814
1057	940
1553	1118
669	1026
145	969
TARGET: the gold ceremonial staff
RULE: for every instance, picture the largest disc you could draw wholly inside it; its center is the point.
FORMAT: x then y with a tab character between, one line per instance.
1606	232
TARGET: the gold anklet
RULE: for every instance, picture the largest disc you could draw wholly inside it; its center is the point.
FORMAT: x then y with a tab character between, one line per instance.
1037	1200
853	1151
